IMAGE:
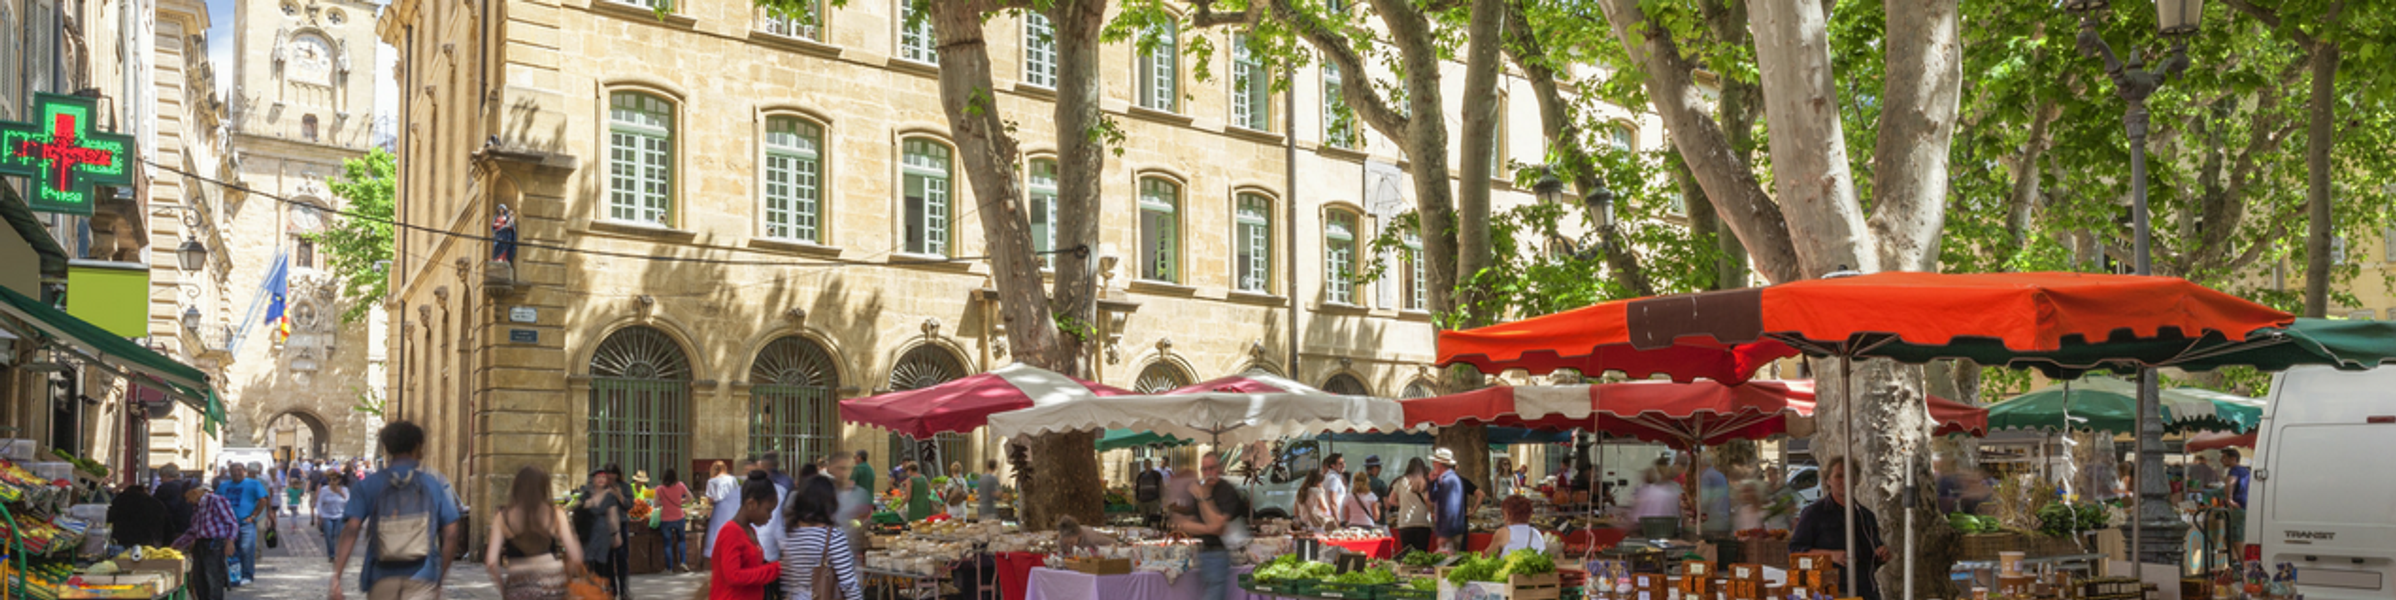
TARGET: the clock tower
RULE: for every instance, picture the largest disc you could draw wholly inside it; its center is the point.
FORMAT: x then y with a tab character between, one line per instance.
302	103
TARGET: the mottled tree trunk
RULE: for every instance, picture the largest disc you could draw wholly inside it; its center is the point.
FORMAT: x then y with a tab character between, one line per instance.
1065	479
2321	132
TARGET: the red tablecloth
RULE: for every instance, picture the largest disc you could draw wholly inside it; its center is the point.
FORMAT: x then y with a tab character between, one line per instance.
1014	570
1383	548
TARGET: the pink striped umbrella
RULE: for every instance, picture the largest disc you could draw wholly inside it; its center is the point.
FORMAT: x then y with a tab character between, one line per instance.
966	404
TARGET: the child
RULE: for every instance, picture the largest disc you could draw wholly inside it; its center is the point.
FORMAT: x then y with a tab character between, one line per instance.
739	569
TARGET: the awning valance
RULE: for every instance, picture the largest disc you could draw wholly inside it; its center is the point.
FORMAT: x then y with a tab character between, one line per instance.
94	343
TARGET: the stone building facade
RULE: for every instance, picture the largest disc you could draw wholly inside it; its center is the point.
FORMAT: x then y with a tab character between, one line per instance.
731	222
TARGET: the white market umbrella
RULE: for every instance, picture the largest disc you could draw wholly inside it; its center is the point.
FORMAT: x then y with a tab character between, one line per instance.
1222	417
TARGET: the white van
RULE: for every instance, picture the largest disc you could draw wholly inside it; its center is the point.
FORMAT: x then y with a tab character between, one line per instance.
2321	498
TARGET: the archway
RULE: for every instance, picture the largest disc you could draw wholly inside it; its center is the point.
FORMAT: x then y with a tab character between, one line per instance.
922	367
792	409
1160	376
298	434
640	402
1346	384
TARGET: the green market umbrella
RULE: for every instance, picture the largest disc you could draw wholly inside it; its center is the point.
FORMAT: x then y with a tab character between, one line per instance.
1128	438
2351	345
2111	405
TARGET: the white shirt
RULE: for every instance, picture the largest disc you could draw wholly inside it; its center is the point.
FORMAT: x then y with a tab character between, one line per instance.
331	503
1523	536
1337	483
769	537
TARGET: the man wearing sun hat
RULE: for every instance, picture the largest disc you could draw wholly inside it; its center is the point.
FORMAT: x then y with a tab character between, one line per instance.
1447	501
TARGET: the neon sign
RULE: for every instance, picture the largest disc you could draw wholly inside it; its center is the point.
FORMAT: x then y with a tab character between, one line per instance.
65	157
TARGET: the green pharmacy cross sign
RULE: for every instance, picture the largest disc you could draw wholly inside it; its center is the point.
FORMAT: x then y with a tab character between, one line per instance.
63	155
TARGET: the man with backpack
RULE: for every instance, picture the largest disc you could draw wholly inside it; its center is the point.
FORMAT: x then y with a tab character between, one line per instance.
408	515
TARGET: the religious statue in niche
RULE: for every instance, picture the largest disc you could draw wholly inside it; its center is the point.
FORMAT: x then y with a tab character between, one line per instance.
314	321
503	235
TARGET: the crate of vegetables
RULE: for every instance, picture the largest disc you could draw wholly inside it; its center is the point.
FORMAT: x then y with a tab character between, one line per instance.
1420	588
1364	584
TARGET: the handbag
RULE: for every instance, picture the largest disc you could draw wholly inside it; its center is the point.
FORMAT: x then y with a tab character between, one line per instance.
273	539
824	584
588	586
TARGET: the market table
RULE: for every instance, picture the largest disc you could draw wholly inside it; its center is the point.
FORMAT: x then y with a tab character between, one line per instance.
1383	548
1014	570
1055	584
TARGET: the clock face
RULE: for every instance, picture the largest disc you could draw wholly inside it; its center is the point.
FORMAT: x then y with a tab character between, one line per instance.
305	219
311	61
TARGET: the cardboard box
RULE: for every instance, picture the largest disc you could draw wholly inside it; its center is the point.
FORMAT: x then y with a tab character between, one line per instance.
1811	561
1100	566
1746	572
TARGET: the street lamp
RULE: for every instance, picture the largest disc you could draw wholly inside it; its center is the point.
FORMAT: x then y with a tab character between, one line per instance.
1599	200
193	255
191	319
2155	529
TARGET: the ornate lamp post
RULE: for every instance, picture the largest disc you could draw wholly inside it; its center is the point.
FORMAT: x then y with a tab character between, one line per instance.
2156	529
1600	202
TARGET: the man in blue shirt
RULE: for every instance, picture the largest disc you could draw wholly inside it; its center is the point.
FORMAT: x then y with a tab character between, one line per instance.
399	580
248	496
1447	501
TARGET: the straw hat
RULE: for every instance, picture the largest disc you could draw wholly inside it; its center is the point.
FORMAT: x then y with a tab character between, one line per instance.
641	477
1443	456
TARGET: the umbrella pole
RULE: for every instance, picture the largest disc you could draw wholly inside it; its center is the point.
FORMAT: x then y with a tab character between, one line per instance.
1910	495
1847	453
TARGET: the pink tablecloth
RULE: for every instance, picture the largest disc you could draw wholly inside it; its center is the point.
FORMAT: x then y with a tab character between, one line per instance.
1053	584
1383	548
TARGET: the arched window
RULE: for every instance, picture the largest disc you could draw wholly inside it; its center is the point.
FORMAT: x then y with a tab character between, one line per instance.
1339	125
1252	244
1418	389
1160	69
1339	257
1160	230
924	180
308	127
1039	50
1346	384
1160	377
804	22
640	158
791	406
923	367
640	402
1251	87
917	42
1040	187
793	179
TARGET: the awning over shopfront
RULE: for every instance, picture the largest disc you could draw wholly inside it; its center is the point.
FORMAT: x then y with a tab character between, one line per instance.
34	320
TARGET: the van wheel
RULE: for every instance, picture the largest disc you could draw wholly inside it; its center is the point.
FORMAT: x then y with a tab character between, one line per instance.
1272	513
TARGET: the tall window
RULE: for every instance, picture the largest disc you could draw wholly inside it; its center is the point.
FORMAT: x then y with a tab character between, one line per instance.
925	173
1039	50
308	128
1160	238
1417	297
2390	241
1339	126
640	402
1339	258
1624	136
1252	241
804	22
1497	142
1160	69
916	40
791	404
1041	186
640	157
793	170
303	253
1251	88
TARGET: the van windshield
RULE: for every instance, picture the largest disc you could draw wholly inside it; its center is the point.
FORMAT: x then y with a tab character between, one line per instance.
2315	465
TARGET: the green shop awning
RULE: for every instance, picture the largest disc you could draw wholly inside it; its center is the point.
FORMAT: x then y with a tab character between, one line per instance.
97	344
2098	403
1126	438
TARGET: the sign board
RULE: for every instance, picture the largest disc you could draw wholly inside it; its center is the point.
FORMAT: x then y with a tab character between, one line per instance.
65	154
523	314
523	336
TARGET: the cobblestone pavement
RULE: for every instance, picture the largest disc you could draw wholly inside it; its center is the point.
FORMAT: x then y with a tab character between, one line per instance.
301	568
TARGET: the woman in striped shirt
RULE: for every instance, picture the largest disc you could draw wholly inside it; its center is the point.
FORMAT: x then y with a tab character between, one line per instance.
816	561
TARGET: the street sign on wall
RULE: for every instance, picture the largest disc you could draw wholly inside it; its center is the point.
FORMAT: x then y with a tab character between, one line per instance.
65	154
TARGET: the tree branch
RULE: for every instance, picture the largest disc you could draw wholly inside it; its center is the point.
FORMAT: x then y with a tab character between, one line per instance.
1355	83
1920	97
1738	196
1564	134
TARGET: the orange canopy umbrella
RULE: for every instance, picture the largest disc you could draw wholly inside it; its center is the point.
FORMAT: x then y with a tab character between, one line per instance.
1726	335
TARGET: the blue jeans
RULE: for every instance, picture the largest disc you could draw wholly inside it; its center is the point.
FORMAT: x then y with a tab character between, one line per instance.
332	536
677	549
1214	567
246	553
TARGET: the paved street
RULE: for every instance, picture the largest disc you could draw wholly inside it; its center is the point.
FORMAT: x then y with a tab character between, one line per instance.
299	568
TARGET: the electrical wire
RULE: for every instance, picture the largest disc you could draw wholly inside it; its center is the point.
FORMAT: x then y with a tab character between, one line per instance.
833	262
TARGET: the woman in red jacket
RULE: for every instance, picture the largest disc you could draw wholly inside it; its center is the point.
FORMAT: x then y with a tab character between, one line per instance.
739	570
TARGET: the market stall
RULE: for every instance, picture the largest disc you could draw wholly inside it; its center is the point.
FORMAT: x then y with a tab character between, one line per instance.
57	549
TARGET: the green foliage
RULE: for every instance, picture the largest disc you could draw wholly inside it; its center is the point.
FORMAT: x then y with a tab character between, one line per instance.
1373	576
1418	558
1288	567
358	249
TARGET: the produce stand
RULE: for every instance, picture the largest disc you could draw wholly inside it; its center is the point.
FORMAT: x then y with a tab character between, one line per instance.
1063	584
43	537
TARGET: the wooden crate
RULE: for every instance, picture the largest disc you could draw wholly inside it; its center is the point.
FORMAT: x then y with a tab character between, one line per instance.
1536	587
1985	546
